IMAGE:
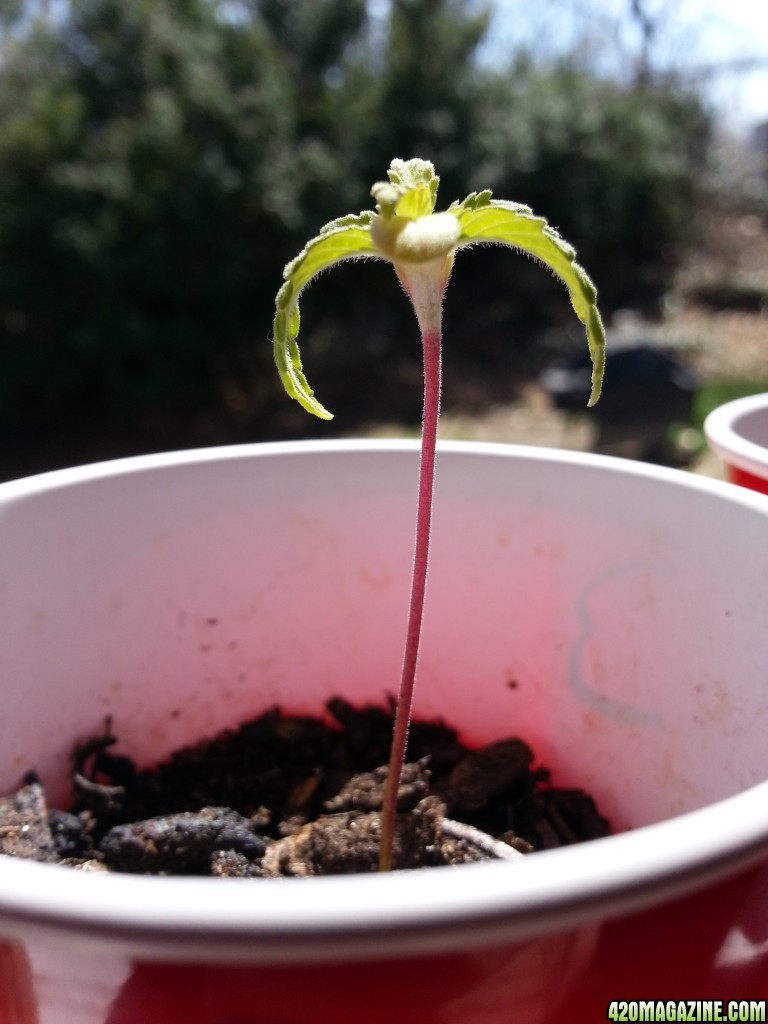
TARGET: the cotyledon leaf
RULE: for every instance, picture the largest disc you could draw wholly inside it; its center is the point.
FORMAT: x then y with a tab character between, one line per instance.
483	219
408	199
345	239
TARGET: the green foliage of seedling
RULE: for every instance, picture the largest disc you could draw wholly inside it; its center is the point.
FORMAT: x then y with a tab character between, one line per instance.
406	231
421	246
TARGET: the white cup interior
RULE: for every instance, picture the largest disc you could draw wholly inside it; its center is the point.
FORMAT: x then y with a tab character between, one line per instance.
587	607
611	614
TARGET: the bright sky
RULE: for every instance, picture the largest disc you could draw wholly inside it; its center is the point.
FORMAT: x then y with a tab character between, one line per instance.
733	29
691	33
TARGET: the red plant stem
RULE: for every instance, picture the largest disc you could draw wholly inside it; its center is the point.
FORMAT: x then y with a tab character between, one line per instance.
432	349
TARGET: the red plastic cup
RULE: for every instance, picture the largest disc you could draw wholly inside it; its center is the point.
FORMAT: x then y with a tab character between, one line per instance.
738	432
611	613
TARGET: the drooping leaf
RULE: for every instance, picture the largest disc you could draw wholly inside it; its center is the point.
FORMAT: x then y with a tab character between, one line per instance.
347	238
483	219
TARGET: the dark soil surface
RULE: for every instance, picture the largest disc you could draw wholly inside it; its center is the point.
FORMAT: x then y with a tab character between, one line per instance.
288	796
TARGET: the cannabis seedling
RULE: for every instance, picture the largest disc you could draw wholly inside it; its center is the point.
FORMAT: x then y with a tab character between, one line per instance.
421	245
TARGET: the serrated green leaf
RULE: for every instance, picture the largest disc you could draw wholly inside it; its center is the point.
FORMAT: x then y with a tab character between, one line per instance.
491	220
348	238
416	202
408	198
415	174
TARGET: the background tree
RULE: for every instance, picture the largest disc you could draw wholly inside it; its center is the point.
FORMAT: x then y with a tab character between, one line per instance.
161	160
619	168
144	148
429	87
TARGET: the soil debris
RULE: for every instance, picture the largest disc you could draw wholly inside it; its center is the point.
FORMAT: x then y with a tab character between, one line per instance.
291	796
24	827
180	844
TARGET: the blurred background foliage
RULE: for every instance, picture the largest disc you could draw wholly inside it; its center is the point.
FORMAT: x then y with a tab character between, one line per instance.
161	160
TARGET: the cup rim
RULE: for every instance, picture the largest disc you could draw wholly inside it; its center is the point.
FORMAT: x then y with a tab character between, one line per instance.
407	911
724	430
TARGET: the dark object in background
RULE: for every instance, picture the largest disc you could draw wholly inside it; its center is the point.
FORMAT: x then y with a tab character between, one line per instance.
646	393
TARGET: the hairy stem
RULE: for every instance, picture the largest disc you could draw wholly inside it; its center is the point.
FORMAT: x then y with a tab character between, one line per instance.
432	346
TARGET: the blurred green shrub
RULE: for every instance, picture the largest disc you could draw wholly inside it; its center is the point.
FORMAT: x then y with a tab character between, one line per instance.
618	168
160	160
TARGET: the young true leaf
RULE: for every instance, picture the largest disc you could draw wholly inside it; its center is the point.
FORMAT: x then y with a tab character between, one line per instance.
421	246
